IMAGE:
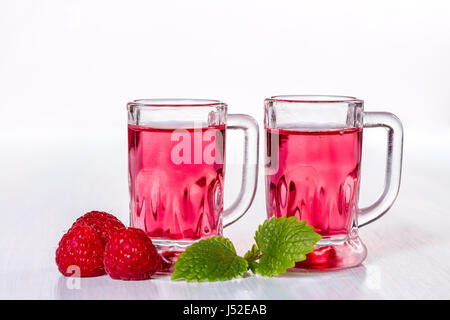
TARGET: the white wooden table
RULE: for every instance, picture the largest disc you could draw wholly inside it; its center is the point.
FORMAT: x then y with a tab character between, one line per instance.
50	177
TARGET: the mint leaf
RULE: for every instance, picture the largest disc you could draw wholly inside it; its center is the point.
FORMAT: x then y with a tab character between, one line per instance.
283	242
280	242
210	259
252	254
252	265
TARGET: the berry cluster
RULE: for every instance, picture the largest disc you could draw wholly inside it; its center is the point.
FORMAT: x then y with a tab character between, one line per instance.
98	243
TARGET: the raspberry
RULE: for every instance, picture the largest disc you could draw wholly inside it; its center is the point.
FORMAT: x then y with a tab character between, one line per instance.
102	222
131	255
80	250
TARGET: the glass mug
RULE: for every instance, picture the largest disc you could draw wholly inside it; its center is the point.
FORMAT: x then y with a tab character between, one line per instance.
176	159
312	169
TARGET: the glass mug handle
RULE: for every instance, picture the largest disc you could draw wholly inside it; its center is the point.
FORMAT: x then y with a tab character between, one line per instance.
393	165
249	166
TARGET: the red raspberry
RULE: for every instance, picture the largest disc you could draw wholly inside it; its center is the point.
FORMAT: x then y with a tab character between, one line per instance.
102	222
80	248
131	255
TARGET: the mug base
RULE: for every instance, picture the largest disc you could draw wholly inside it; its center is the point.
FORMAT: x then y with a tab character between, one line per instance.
333	255
169	251
169	245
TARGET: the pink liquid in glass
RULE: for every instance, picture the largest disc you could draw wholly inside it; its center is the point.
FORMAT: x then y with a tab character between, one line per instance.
314	176
176	181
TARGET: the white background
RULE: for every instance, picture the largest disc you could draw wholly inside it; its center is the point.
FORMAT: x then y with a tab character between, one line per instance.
67	69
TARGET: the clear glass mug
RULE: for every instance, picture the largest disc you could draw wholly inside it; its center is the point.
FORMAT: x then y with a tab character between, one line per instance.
312	169
176	158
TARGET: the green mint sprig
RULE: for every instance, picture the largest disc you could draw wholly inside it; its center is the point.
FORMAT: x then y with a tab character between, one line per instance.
280	242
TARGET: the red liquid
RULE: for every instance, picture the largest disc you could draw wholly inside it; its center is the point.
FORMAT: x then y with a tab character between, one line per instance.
172	199
315	178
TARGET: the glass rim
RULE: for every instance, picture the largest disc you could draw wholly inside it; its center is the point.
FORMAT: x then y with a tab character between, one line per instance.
317	98
176	102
